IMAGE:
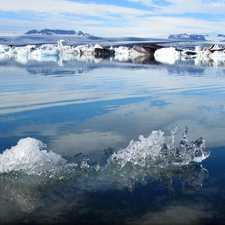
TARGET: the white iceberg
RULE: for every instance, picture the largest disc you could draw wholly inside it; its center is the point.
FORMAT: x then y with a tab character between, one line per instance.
167	55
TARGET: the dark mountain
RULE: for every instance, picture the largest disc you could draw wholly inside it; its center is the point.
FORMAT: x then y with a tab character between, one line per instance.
81	33
56	32
191	37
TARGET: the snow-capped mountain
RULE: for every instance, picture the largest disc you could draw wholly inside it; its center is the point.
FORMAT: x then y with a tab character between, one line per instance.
56	32
221	35
192	37
197	37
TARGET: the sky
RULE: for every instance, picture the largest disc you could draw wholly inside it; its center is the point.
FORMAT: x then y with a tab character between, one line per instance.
110	18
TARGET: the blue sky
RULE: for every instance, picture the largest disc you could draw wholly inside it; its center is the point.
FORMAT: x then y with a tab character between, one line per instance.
110	18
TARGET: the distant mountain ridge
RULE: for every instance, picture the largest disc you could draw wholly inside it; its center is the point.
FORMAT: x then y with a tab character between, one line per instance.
197	37
221	35
193	37
173	37
56	32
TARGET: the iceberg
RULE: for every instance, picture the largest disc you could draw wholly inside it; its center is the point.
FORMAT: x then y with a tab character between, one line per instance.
136	54
167	55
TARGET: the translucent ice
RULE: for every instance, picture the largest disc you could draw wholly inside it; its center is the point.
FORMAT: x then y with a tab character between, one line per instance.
137	152
155	148
155	156
29	156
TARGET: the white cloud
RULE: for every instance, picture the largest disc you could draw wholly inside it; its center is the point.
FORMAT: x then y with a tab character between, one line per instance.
113	20
85	142
64	6
193	6
143	2
179	7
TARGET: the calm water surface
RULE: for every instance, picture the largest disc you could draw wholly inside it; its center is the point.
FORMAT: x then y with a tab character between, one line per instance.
88	109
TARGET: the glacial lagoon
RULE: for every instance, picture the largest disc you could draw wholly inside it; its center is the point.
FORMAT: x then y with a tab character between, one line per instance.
63	119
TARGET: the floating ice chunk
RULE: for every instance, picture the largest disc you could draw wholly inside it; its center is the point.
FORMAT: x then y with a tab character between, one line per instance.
98	46
45	52
29	156
65	49
167	55
84	164
198	48
155	156
123	50
155	150
137	152
4	48
61	44
217	54
138	50
24	50
138	54
122	53
199	151
211	52
85	49
199	51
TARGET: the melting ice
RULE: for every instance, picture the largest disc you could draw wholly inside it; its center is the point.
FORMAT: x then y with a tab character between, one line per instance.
156	149
31	157
32	166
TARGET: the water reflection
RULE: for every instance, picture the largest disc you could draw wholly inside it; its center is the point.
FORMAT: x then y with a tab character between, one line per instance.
30	192
107	101
74	66
84	107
